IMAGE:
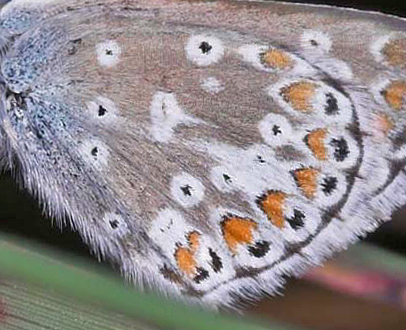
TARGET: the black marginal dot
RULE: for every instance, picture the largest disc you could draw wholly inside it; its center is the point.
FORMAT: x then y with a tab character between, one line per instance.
227	178
259	250
114	224
260	159
205	47
329	184
109	52
186	190
332	105
102	111
216	263
95	151
341	149
297	220
276	130
202	274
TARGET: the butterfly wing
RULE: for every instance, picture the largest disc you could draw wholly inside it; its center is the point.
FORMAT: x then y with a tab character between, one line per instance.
208	148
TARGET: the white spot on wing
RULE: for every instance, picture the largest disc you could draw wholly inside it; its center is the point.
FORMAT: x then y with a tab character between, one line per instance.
204	50
103	109
108	53
212	85
168	229
275	130
252	54
377	46
165	115
187	190
95	153
316	42
222	179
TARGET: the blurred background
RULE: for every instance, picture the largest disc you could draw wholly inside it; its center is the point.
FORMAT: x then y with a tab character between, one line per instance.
351	292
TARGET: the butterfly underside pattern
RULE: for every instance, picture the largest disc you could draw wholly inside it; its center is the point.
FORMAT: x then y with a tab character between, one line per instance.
209	148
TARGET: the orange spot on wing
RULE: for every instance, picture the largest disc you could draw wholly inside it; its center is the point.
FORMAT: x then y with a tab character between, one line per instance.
237	230
299	95
194	239
185	255
315	141
384	124
276	58
395	94
306	179
186	260
395	52
272	205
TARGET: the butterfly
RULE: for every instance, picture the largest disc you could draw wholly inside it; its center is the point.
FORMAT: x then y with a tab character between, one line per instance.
208	148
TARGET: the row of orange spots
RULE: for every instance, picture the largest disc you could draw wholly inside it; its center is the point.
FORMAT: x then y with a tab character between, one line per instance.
306	179
185	256
299	95
395	94
277	59
316	143
271	203
238	230
394	52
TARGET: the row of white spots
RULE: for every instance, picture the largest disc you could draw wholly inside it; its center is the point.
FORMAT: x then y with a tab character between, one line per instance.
105	112
188	191
165	113
204	50
102	109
